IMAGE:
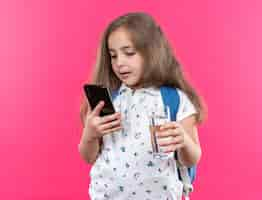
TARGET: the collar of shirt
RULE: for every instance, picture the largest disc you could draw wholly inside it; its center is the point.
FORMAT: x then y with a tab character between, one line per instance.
124	89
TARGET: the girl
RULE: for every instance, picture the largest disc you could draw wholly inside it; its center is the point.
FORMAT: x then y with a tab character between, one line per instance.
135	59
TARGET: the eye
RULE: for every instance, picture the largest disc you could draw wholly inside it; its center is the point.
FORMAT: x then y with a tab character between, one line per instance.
112	56
130	53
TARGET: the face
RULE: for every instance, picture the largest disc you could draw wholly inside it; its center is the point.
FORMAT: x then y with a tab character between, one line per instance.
127	62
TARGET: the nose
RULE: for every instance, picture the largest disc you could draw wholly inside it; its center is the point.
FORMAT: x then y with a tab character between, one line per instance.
119	61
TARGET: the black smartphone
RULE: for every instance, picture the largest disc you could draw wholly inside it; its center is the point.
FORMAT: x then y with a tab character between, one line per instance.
97	93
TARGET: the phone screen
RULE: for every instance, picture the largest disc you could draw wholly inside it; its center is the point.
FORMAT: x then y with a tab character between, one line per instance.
95	94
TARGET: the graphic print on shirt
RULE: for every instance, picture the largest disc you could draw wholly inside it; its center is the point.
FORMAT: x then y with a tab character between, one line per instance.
126	168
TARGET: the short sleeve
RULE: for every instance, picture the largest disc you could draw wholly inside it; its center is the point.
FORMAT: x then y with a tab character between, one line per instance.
186	108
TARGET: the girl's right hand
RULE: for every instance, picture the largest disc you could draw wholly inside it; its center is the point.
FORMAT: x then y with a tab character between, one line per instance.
96	126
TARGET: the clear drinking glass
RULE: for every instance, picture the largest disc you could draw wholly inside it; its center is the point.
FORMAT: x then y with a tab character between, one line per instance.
156	119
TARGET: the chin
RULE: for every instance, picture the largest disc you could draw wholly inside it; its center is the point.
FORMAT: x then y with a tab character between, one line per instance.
130	84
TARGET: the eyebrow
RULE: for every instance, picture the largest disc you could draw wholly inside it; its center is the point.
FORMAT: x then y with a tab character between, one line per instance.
122	48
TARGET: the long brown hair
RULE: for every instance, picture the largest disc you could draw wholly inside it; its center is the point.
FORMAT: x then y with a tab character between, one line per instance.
160	65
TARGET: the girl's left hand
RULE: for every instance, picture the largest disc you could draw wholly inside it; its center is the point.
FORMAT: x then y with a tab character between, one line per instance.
171	136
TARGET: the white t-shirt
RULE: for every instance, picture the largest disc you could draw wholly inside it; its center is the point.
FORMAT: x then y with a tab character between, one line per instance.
126	168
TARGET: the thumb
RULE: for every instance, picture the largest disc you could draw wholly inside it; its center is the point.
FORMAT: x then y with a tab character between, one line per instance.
98	108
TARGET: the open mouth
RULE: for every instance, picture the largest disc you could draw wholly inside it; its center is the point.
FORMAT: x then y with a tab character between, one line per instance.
125	74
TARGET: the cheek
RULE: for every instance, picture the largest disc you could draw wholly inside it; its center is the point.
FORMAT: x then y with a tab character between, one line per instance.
114	68
139	75
140	70
114	71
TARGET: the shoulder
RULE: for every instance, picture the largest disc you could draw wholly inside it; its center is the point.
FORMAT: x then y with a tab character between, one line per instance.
182	95
186	107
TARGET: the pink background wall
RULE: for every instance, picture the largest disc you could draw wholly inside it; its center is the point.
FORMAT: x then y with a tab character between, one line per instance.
47	49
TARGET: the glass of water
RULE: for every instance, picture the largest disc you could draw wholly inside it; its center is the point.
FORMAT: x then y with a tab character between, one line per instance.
156	119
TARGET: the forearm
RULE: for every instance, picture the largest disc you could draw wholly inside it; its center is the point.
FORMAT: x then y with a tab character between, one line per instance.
190	154
89	149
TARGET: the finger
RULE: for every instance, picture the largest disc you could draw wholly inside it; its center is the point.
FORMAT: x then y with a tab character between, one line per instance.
110	118
98	108
110	125
173	148
112	130
169	125
170	141
167	133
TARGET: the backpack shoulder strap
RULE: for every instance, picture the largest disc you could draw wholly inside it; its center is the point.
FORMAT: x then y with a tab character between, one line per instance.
171	98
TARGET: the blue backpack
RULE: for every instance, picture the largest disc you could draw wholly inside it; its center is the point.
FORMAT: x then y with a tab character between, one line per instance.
171	98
